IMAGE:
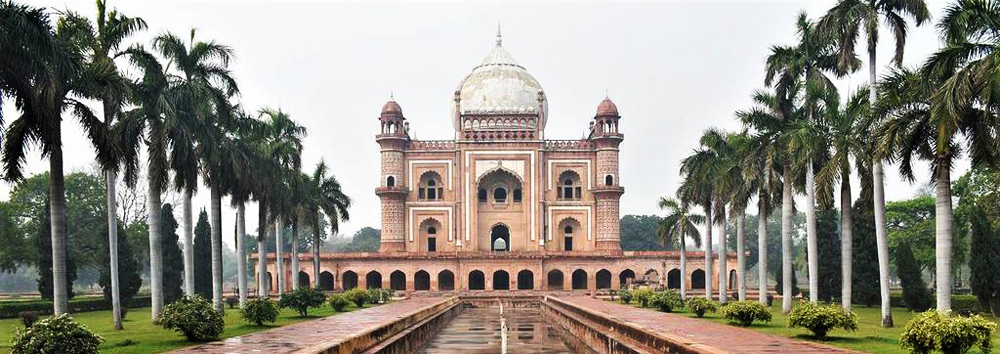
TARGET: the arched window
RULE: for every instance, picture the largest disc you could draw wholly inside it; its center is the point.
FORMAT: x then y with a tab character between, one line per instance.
568	238
431	239
482	195
390	181
500	195
517	195
430	186
569	186
608	180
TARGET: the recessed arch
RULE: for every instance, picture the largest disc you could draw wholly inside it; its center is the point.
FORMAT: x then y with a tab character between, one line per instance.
609	180
501	280
579	280
477	280
349	279
397	280
569	186
525	280
625	277
373	280
421	281
500	238
603	279
569	230
446	280
674	279
390	181
732	279
698	279
651	276
303	279
430	186
555	280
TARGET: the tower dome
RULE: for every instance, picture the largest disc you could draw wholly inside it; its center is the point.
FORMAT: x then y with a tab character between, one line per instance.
499	86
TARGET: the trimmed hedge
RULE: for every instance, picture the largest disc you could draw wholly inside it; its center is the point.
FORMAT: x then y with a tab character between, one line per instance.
11	309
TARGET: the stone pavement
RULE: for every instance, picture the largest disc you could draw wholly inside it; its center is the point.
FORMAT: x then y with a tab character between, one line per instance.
294	337
698	333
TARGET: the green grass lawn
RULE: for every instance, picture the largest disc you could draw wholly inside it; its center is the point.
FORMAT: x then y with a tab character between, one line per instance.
870	336
142	336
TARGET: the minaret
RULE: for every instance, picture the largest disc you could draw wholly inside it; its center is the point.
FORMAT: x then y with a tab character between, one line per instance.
606	138
392	188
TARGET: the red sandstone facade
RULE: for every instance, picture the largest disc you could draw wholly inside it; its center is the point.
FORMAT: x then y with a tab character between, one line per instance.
499	207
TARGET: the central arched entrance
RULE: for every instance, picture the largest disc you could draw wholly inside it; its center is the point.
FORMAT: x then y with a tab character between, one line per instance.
500	238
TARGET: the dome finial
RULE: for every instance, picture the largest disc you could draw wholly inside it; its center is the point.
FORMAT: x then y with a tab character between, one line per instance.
499	38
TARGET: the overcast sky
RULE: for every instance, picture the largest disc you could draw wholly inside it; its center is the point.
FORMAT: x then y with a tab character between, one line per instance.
673	68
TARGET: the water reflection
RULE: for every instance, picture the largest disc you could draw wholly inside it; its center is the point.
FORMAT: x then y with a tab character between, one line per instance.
477	331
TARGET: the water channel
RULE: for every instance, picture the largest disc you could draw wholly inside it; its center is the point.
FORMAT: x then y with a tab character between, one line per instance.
479	331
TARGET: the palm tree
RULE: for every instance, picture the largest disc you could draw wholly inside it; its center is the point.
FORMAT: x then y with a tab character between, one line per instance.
675	228
103	44
696	189
846	137
916	127
205	86
741	191
806	62
845	22
770	124
324	194
967	69
41	69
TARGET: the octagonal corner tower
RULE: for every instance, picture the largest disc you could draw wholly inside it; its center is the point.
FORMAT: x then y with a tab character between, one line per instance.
499	185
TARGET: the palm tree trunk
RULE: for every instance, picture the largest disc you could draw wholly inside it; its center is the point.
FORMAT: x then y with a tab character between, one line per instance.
741	285
762	249
723	272
684	265
879	197
708	251
217	248
811	242
295	254
846	242
315	250
188	244
116	304
942	223
262	250
786	241
57	210
278	254
155	253
241	253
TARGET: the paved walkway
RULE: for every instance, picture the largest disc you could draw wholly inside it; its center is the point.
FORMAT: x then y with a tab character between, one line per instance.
714	337
291	338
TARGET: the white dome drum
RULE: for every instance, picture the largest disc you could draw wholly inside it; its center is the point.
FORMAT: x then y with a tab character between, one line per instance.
499	94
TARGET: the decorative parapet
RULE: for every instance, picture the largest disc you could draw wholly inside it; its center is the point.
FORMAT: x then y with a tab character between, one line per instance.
568	145
432	145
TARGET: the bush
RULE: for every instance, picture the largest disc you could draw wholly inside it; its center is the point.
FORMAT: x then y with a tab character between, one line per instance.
194	317
302	299
232	301
666	301
821	319
11	309
379	295
625	295
966	305
57	334
338	302
700	305
745	313
28	318
259	311
930	331
358	296
642	296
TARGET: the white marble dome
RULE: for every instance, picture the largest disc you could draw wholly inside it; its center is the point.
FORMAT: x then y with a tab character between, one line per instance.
498	86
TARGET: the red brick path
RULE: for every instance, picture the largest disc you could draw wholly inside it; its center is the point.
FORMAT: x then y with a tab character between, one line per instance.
302	335
701	334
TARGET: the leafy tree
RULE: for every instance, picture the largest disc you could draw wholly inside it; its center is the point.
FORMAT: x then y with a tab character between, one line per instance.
365	240
915	293
979	199
864	283
129	279
17	250
44	265
638	233
828	237
173	260
203	256
912	221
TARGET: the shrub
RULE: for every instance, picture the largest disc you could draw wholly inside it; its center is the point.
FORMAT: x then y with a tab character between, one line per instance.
821	319
642	296
916	296
28	318
966	305
259	311
232	301
745	313
338	302
302	299
700	305
625	295
194	317
930	331
57	334
666	301
11	309
358	296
